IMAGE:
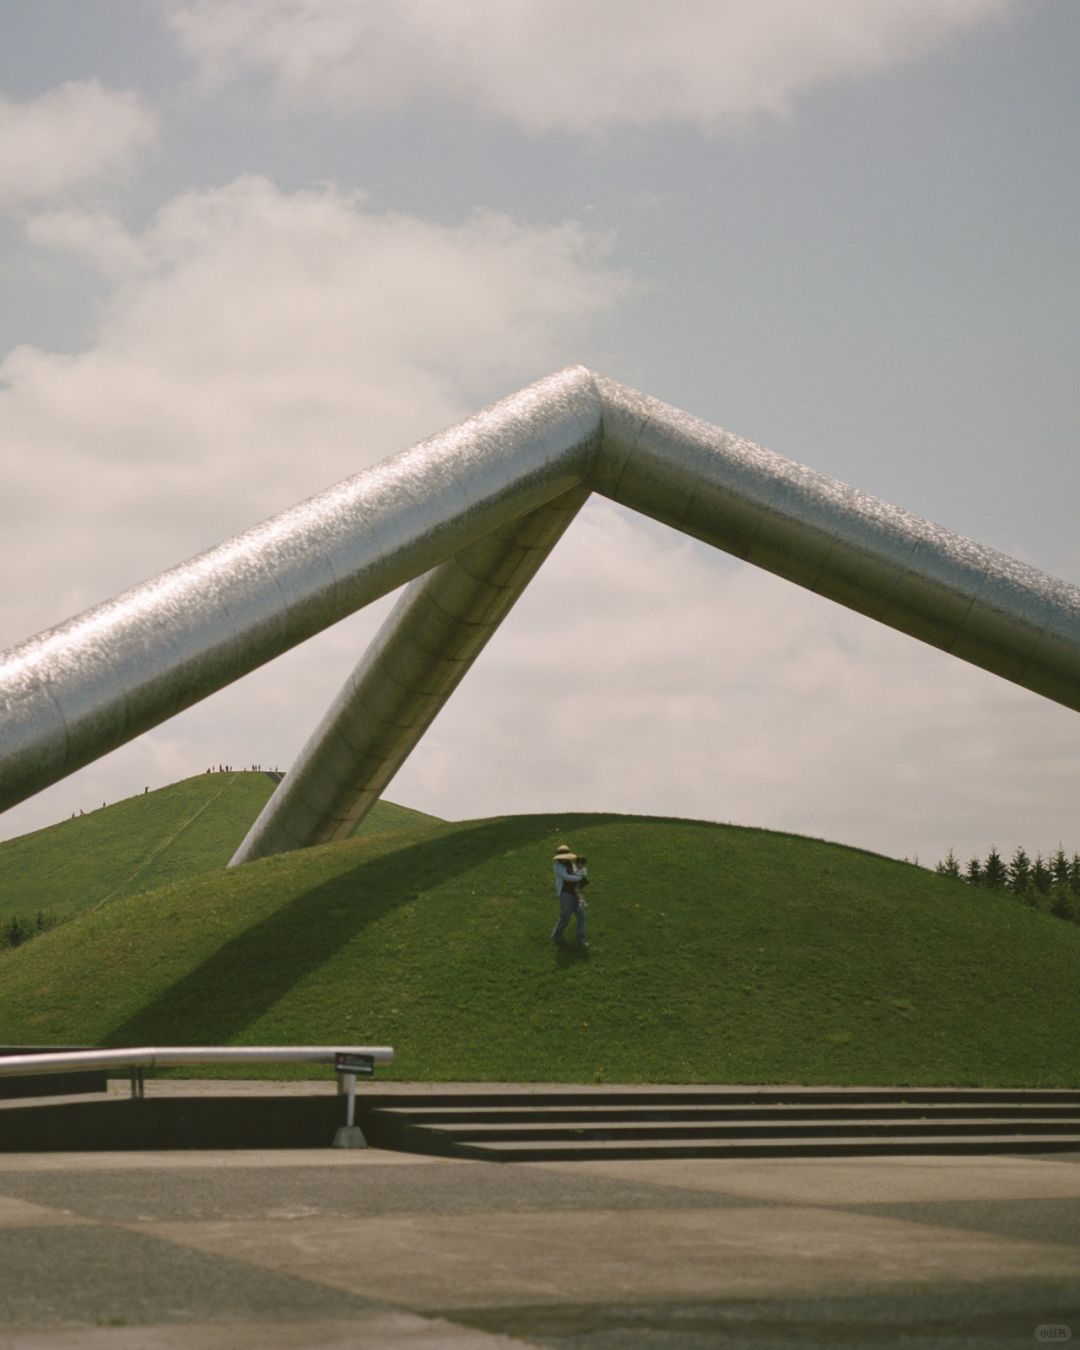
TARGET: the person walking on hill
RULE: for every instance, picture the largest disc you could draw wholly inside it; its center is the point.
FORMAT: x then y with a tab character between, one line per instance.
569	878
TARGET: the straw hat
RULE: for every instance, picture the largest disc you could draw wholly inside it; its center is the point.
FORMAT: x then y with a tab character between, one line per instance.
563	854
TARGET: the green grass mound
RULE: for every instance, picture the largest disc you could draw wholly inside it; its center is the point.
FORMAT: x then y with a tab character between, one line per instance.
145	842
718	954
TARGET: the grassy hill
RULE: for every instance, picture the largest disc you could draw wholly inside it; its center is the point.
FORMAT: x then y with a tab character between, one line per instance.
144	842
718	954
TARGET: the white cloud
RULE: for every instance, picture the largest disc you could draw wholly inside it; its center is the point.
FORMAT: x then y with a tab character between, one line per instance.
256	347
70	140
96	236
566	65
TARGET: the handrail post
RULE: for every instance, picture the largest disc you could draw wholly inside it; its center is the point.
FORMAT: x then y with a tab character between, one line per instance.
350	1135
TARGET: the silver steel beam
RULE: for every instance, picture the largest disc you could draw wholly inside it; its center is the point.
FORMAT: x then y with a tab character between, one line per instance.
418	658
80	690
926	581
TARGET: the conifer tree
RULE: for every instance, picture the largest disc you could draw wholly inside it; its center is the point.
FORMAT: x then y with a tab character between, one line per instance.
995	875
1041	876
1019	871
949	866
1059	866
974	874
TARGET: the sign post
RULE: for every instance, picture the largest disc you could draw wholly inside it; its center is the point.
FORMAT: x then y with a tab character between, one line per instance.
348	1067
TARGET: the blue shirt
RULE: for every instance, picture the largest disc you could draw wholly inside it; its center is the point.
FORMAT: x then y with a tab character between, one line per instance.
565	875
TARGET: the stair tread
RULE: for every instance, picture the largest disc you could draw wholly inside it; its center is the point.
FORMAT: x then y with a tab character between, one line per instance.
620	1096
726	1097
648	1115
737	1145
1009	1125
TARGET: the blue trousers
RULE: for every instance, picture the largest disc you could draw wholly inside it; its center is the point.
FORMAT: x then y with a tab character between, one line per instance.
569	905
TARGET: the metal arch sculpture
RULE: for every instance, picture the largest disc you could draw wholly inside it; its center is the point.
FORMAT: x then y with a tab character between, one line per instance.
468	517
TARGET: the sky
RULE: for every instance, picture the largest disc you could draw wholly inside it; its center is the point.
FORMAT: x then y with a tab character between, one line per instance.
249	247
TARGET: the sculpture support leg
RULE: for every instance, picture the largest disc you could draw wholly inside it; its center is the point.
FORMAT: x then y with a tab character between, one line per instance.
424	649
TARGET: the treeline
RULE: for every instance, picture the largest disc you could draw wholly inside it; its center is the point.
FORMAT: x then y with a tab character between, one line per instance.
1049	884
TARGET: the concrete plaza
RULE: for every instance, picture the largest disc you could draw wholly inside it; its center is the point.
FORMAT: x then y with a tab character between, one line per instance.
334	1248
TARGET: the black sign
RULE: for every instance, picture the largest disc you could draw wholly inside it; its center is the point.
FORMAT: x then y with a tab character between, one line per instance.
346	1063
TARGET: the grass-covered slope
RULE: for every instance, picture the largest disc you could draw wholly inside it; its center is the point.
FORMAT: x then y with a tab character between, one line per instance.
144	842
718	954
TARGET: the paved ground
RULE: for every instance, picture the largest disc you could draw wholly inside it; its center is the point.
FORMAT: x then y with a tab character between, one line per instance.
233	1251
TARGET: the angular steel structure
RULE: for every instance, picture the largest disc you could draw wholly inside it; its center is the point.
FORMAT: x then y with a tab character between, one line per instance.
468	517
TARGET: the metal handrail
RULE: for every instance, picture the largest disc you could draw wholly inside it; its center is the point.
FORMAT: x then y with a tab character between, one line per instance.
139	1059
151	1057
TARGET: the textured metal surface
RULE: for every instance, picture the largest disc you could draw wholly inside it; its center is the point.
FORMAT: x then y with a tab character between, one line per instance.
422	652
926	581
472	512
92	684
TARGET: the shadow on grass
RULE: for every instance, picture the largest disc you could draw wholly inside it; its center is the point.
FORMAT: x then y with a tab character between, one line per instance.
252	971
569	954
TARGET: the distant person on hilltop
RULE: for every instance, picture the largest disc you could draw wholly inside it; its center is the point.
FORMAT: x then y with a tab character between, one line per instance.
571	875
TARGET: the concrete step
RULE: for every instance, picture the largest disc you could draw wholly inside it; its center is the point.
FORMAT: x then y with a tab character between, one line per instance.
546	1125
719	1096
448	1116
856	1128
823	1147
